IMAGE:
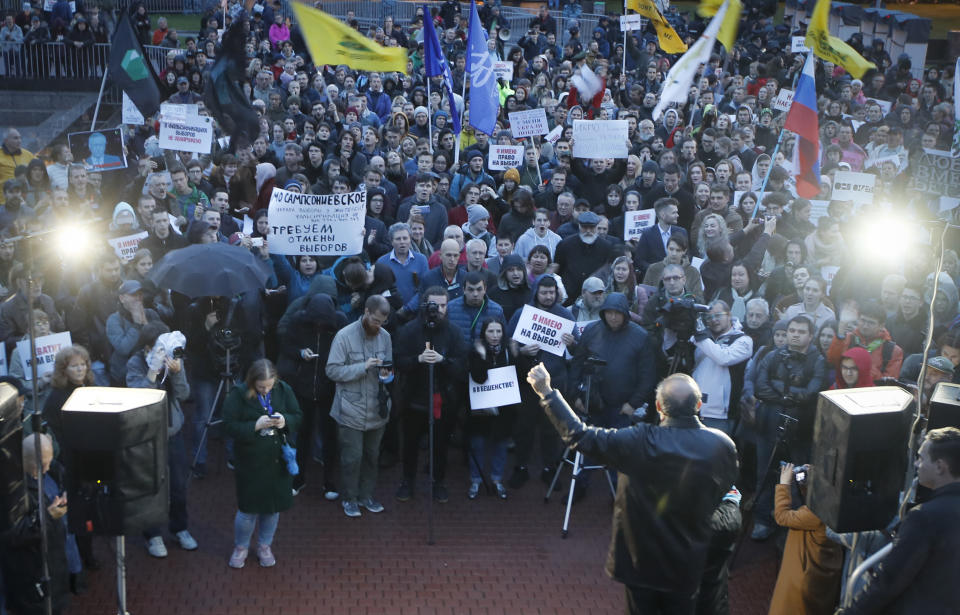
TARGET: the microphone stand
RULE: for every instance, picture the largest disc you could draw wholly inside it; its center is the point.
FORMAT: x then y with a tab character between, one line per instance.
431	324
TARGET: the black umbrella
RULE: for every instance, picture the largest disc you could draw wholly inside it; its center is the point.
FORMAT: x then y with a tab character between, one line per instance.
210	270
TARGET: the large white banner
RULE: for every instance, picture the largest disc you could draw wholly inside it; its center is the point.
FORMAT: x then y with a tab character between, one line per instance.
600	138
856	187
530	123
320	224
635	221
47	348
190	134
501	388
542	328
504	157
127	246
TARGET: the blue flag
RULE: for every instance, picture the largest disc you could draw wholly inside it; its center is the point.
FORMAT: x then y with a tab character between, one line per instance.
484	98
436	64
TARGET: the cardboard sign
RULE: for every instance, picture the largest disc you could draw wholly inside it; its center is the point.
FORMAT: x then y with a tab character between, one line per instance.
190	134
47	348
600	138
98	150
131	115
554	135
530	123
505	157
542	328
501	388
127	246
503	70
856	187
783	100
635	221
628	23
798	44
936	172
318	224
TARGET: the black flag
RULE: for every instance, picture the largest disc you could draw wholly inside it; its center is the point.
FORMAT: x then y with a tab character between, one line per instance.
222	94
130	68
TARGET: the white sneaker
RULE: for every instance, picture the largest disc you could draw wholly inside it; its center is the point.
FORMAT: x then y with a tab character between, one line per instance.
187	542
156	547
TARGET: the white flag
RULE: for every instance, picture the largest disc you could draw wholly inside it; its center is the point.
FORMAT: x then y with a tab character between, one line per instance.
678	81
586	82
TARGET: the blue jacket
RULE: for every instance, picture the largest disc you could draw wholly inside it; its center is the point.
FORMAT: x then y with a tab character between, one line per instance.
297	284
434	277
379	104
469	319
466	177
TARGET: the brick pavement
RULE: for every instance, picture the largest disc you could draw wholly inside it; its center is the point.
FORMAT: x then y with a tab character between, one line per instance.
490	557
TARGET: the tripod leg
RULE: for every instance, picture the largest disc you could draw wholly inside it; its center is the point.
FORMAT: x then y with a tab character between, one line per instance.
613	490
577	463
206	426
556	475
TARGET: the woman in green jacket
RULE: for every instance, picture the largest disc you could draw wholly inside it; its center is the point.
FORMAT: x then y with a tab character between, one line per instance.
260	416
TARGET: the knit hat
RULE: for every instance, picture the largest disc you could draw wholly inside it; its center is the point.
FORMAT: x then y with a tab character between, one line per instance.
476	154
420	110
476	213
512	175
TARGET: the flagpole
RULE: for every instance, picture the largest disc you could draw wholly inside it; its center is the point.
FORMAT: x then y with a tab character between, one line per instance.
773	157
623	71
429	122
96	110
463	96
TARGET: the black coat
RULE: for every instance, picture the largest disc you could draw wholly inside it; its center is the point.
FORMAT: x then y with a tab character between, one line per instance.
576	261
499	426
314	326
450	375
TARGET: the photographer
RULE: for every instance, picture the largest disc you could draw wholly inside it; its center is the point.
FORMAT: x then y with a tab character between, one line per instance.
788	381
158	366
429	340
670	318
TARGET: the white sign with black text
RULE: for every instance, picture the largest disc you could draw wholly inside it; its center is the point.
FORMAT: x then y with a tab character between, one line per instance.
600	138
190	134
505	157
47	348
318	224
851	186
635	221
501	388
542	328
530	123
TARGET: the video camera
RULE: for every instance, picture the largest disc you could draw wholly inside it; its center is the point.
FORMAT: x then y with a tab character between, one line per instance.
680	316
431	313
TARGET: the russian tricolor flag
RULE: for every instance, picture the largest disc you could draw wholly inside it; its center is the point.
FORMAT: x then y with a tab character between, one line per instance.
802	120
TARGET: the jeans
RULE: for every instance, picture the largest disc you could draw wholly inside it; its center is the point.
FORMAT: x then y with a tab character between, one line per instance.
316	417
724	425
177	462
243	528
484	449
359	461
203	392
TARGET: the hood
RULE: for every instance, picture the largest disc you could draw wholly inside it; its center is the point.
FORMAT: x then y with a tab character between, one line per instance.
945	286
667	113
861	357
512	260
336	270
319	309
124	207
536	287
617	302
265	171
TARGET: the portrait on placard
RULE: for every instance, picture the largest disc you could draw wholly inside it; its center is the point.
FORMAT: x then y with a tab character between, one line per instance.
99	150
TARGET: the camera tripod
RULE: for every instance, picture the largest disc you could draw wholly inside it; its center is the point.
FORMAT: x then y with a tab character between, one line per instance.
223	388
578	466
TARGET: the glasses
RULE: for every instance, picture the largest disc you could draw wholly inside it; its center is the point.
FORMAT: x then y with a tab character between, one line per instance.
672	278
910	298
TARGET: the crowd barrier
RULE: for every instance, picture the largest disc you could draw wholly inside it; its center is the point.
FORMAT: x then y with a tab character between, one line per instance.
59	60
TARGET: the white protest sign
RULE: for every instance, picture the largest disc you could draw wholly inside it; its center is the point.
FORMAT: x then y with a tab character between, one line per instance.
126	246
505	157
783	100
628	23
318	224
635	221
578	327
600	138
247	225
131	115
173	111
554	135
501	388
851	186
818	209
542	328
798	44
191	134
47	348
503	70
530	123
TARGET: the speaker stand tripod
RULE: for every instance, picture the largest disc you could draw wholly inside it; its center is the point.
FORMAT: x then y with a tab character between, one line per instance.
121	547
226	382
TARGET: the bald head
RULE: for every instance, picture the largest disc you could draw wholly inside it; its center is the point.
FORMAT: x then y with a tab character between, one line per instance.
678	395
30	456
454	232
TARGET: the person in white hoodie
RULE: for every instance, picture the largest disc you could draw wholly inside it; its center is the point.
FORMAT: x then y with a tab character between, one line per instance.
722	352
539	235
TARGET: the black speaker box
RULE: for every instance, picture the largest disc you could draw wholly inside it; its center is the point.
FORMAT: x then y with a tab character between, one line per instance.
944	406
859	457
13	493
115	444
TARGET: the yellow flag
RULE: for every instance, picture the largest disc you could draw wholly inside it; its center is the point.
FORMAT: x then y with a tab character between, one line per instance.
332	42
669	39
831	48
731	19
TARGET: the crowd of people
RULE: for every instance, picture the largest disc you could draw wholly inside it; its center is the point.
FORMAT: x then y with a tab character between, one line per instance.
759	295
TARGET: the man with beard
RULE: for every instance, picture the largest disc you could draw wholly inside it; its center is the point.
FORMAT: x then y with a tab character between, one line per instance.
587	307
580	255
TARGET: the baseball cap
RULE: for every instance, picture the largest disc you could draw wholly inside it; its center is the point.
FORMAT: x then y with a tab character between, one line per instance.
941	364
182	80
593	284
130	287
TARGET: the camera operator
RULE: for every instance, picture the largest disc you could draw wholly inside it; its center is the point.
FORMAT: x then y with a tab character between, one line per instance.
721	355
427	340
670	317
159	367
788	381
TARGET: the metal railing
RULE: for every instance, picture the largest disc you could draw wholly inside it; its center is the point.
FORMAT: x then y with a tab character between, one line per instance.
60	60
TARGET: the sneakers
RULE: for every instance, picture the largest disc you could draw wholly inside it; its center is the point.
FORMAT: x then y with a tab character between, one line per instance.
187	542
265	555
330	492
239	557
230	465
440	493
474	491
519	478
501	490
404	492
298	484
156	547
351	509
372	505
761	531
200	470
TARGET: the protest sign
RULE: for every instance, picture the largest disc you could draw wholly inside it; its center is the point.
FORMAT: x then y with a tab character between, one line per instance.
798	44
98	150
501	388
936	172
126	246
554	135
818	209
503	70
629	23
47	348
530	123
635	221
783	100
172	111
856	187
542	328
321	224
948	203
130	114
600	138
578	327
505	157
190	134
